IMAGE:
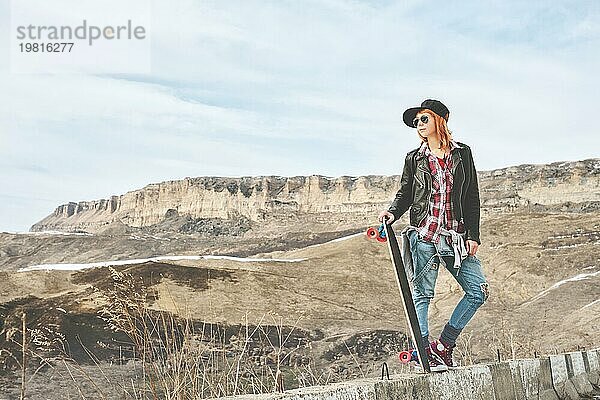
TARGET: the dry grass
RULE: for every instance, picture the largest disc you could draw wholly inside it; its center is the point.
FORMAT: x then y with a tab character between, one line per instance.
506	344
171	357
183	361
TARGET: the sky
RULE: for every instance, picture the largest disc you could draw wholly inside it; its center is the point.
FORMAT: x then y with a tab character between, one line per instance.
246	88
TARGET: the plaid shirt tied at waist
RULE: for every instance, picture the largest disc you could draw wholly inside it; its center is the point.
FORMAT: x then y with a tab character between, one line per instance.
440	205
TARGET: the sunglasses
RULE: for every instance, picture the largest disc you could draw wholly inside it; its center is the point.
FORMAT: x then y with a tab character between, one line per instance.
424	119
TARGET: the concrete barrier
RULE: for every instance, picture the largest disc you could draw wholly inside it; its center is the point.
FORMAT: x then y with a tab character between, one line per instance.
560	377
580	379
532	379
563	376
593	358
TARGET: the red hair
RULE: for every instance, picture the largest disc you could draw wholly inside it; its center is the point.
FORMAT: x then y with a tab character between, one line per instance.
441	128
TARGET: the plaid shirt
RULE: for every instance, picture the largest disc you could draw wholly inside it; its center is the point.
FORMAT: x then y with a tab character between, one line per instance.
440	204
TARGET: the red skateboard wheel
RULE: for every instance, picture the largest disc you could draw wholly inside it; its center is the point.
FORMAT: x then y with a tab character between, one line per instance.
372	233
404	357
380	239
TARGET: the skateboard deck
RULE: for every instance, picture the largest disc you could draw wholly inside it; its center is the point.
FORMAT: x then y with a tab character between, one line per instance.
385	233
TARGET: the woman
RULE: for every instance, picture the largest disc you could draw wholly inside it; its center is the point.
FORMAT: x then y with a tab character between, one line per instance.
439	185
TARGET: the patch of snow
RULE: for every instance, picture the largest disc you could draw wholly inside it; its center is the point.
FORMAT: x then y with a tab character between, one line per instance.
346	237
578	277
569	246
240	259
591	304
160	238
75	267
574	235
52	233
137	237
341	239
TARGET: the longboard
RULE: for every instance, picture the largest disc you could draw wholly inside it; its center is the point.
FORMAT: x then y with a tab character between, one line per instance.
386	233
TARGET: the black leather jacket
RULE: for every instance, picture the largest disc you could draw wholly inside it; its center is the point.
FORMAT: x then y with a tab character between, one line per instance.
416	187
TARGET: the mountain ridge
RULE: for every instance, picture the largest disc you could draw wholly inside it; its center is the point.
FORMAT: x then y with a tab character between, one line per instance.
258	198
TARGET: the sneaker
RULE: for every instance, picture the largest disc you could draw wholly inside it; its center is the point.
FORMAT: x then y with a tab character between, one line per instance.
442	353
435	363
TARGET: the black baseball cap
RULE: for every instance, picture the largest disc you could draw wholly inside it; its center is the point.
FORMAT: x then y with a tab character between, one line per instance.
434	105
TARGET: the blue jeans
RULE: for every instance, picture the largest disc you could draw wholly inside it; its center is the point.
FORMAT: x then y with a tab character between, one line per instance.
469	276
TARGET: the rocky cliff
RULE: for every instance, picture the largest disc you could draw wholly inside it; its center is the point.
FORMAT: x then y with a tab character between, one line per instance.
560	185
257	198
